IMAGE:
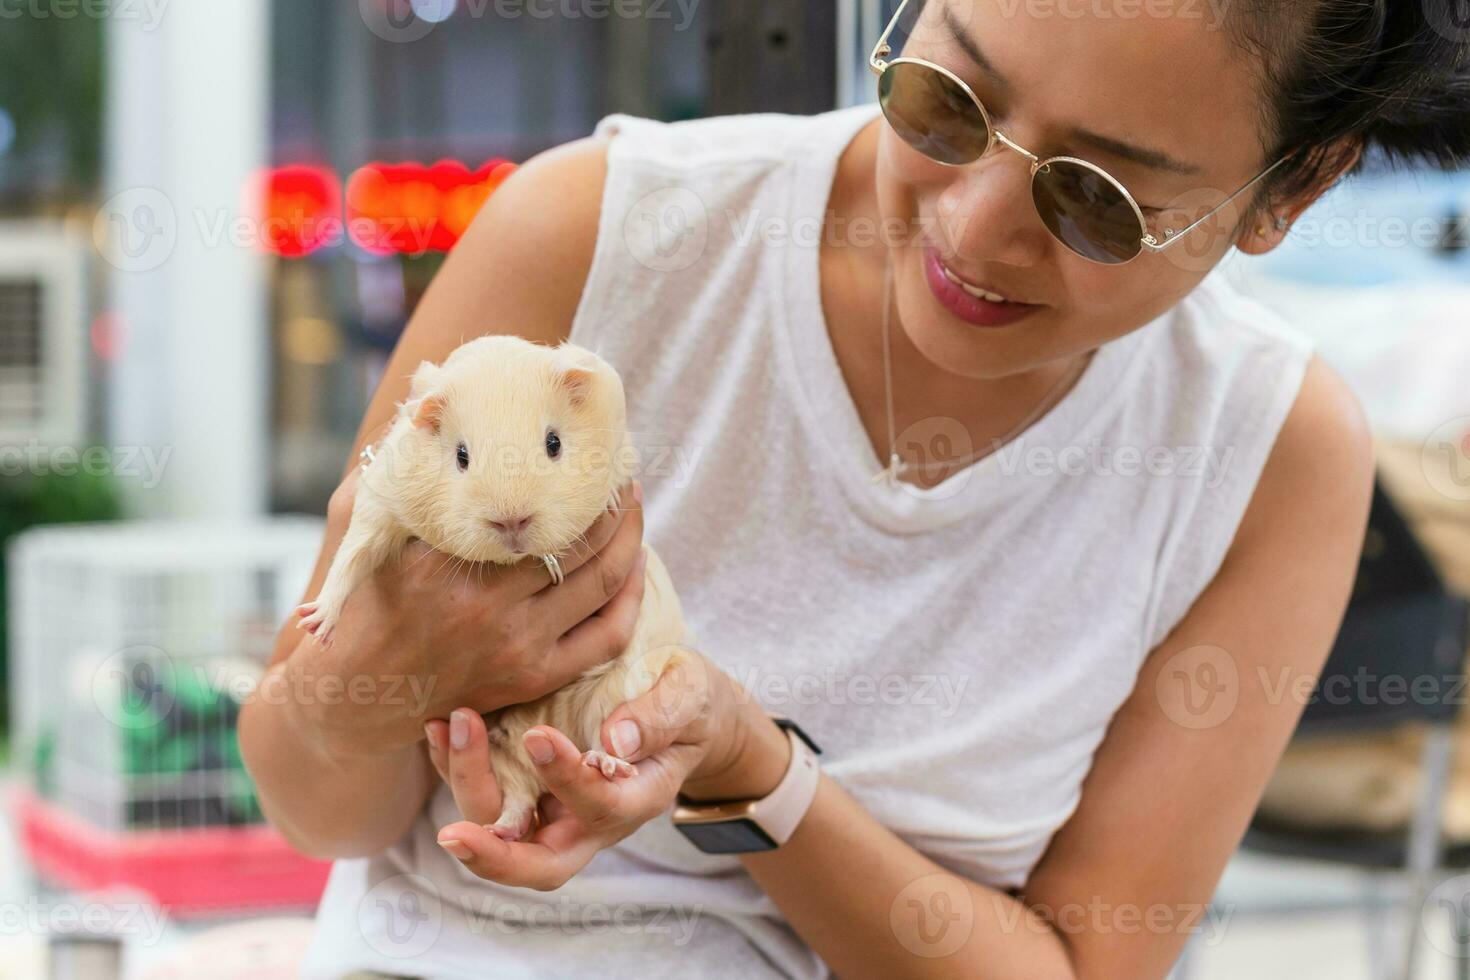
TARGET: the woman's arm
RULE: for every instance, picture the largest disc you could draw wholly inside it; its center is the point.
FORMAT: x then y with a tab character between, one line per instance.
1172	788
348	778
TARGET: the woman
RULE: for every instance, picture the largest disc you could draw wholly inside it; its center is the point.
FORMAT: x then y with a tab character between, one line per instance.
1053	650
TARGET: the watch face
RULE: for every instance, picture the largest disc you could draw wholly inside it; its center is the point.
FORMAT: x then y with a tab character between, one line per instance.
739	836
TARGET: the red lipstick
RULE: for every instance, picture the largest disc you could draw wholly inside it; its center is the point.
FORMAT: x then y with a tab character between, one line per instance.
965	305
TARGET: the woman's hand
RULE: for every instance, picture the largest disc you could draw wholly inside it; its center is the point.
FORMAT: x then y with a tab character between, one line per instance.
439	633
695	730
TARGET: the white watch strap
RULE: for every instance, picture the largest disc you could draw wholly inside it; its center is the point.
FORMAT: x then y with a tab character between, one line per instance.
781	812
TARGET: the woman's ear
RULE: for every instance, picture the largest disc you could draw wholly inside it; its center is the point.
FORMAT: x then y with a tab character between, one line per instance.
1272	223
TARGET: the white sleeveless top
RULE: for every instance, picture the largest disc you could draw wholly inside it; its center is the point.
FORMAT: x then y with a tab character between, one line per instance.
958	651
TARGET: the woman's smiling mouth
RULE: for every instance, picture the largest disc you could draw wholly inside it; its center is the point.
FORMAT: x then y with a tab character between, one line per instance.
969	301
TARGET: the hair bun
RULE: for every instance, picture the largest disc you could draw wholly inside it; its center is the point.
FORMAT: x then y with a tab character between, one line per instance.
1388	77
1420	110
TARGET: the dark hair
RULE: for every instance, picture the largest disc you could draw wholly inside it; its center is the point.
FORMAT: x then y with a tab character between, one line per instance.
1388	77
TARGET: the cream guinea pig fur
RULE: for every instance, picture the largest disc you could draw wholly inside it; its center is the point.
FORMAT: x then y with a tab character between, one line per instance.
507	451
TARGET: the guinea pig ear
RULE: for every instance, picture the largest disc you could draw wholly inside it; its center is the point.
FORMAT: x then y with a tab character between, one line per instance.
426	404
430	413
577	383
579	368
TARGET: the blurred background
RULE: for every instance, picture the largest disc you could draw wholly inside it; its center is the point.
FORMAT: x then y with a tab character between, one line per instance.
215	220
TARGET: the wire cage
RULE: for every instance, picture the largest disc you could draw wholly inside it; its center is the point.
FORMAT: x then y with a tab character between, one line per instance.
133	647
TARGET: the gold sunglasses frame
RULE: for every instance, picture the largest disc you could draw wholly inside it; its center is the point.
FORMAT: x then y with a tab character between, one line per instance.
1146	242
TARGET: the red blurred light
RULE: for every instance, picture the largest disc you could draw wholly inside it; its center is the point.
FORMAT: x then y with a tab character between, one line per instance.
108	335
410	208
300	210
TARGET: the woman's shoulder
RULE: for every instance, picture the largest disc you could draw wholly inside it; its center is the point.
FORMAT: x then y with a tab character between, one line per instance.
1220	326
1218	368
532	243
1322	461
1292	451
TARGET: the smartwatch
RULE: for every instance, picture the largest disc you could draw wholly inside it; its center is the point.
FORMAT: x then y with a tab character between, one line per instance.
744	826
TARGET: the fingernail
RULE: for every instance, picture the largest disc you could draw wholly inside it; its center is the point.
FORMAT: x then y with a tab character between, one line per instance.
432	735
459	729
539	747
637	492
456	848
625	739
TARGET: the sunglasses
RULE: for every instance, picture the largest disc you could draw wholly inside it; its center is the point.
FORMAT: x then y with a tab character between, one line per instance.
1083	206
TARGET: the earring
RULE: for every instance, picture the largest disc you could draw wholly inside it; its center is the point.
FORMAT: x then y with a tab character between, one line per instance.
1279	224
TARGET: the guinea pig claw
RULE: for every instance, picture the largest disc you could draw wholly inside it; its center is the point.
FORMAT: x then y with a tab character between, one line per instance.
609	765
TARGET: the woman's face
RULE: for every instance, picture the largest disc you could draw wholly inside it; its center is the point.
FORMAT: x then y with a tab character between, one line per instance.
1076	79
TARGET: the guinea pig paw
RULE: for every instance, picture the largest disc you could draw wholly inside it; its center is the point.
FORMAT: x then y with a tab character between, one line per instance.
609	765
315	621
513	823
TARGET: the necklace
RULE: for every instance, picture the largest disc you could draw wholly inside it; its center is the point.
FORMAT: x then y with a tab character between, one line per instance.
897	467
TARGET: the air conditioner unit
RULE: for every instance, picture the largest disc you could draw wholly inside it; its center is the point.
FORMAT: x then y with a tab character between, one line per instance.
43	320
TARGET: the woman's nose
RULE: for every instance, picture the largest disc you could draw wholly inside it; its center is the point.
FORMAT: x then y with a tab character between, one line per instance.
986	214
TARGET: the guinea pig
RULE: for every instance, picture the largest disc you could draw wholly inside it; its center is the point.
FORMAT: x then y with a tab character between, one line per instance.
508	451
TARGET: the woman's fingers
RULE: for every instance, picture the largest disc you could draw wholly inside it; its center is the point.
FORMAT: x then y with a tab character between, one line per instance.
436	734
607	632
536	863
597	581
590	807
592	797
467	764
671	711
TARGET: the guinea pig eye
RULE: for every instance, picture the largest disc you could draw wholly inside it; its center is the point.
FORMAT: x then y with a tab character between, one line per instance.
553	443
462	457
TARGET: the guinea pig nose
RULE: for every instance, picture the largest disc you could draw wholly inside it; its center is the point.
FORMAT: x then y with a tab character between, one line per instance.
512	525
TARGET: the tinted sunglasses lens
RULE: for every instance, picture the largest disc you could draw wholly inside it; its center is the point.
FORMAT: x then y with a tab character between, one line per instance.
1087	212
932	113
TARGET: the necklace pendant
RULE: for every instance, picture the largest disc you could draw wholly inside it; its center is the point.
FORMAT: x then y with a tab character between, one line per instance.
890	473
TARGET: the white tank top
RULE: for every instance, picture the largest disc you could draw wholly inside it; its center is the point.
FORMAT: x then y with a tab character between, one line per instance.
957	652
